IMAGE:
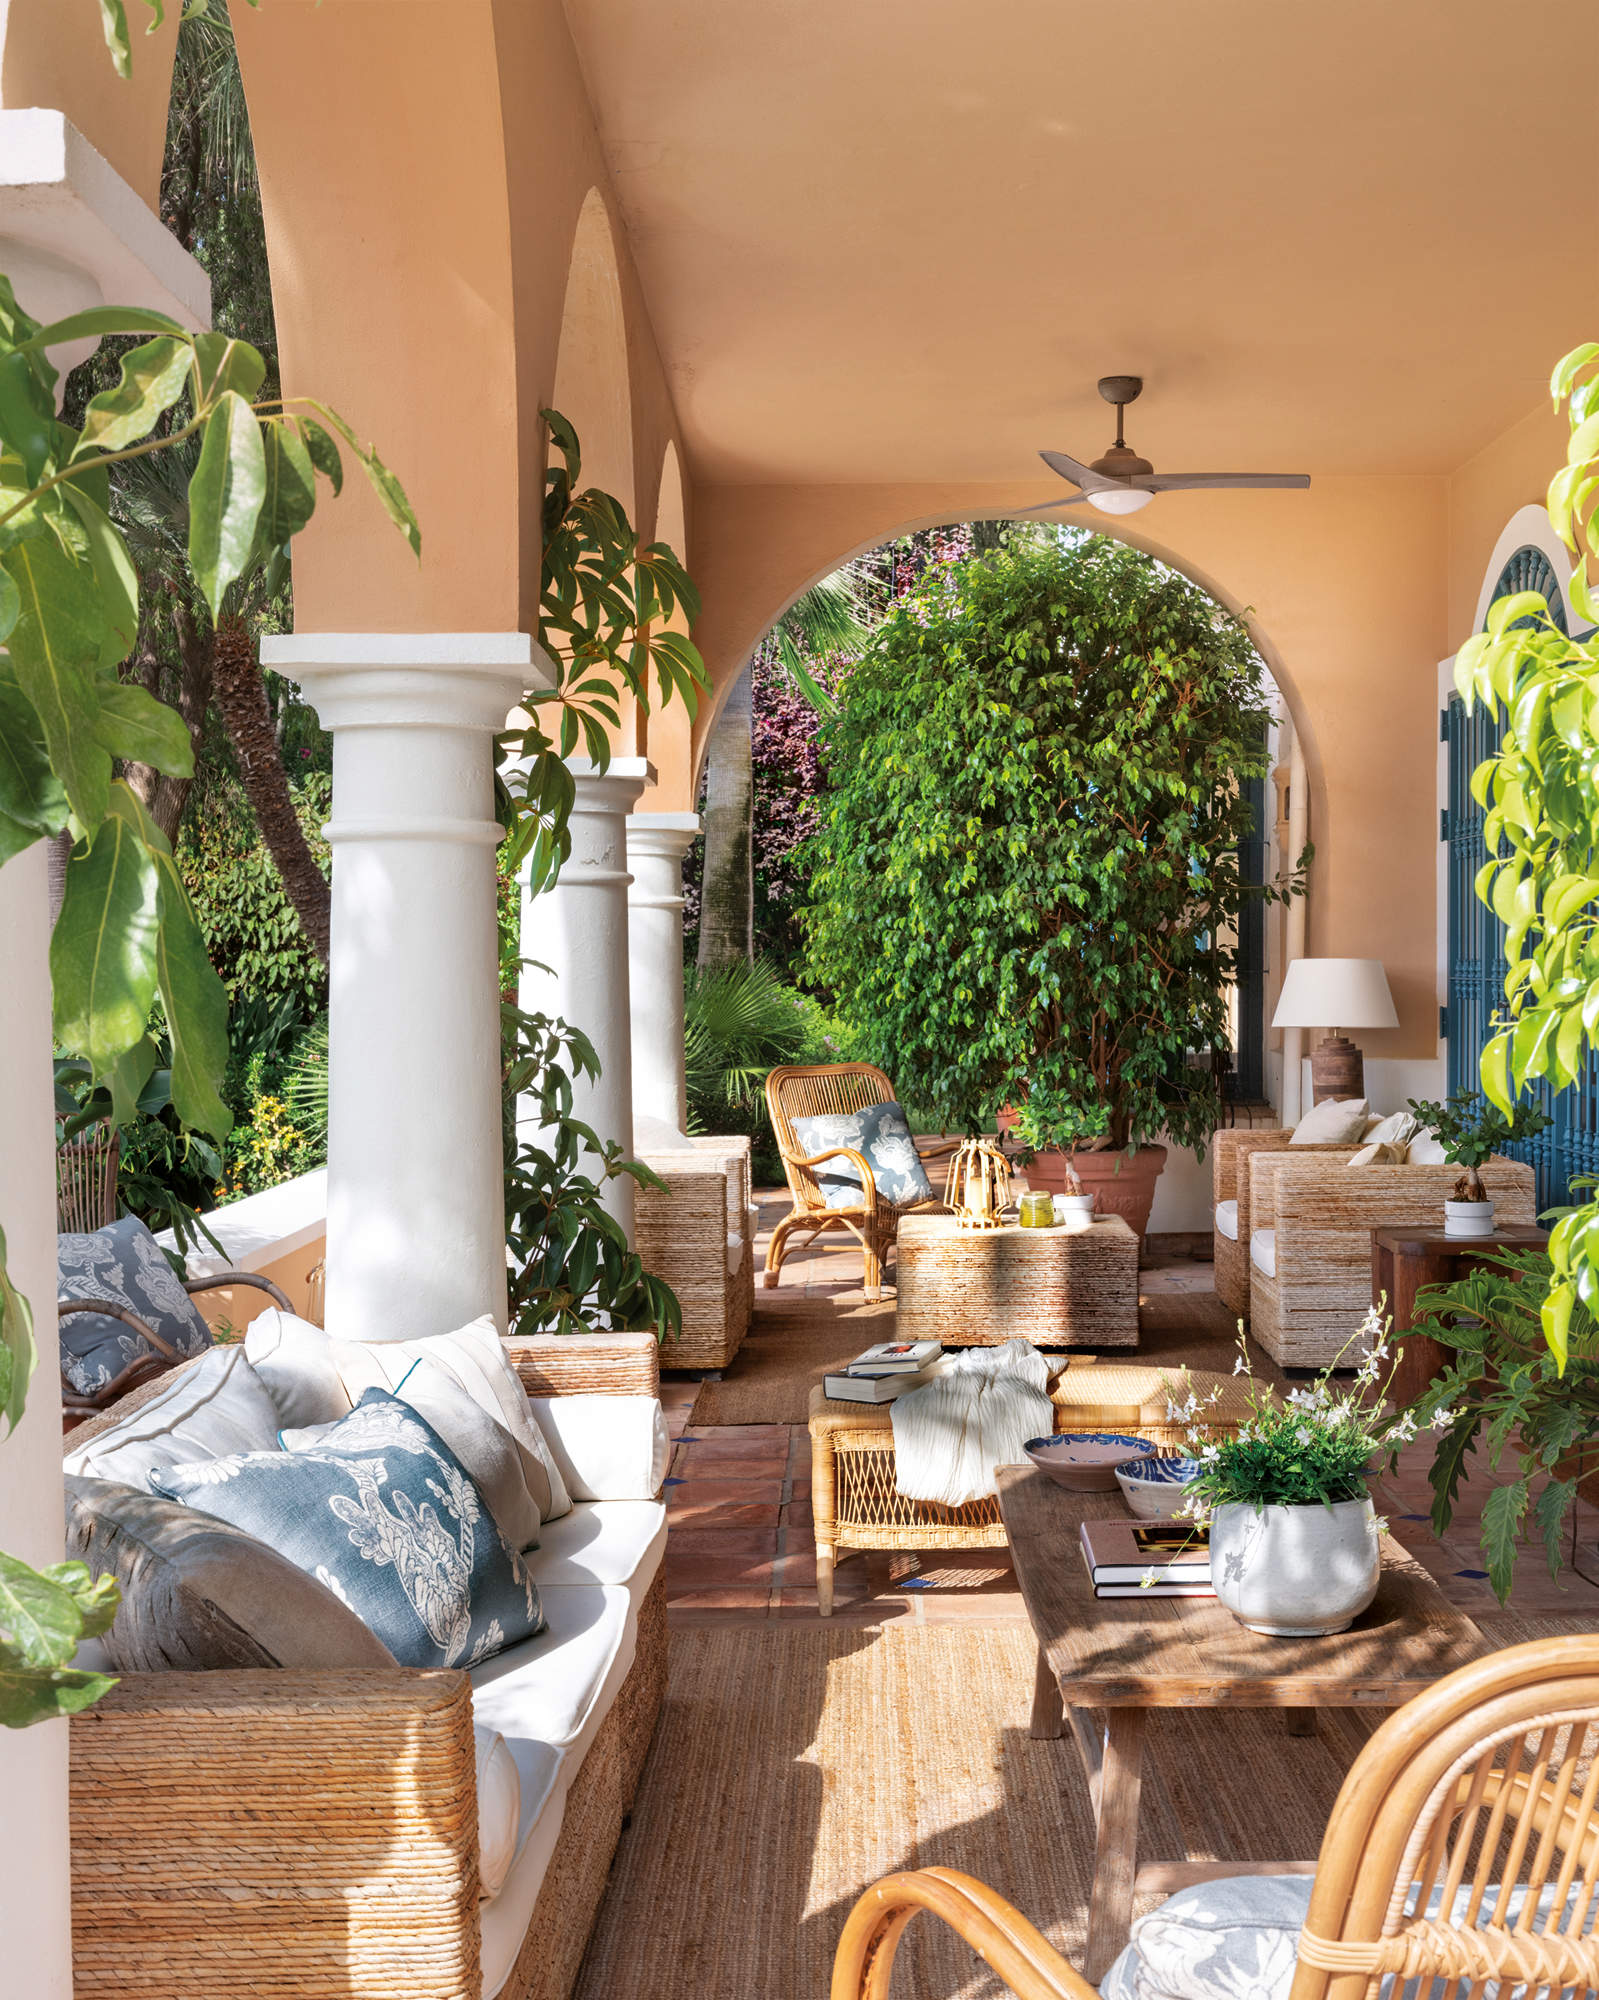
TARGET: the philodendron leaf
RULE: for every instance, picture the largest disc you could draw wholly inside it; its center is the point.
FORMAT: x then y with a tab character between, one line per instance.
324	452
54	646
196	1005
290	485
17	1351
153	378
225	497
128	1078
27	1697
1501	1526
32	801
396	505
96	1597
134	725
40	1621
99	321
103	948
118	580
223	365
27	418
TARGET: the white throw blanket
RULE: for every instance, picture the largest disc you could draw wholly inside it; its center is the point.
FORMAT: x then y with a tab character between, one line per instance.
978	1412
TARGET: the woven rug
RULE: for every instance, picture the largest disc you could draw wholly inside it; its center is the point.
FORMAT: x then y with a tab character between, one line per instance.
794	1765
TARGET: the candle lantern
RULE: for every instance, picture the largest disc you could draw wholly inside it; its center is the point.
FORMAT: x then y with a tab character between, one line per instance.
978	1185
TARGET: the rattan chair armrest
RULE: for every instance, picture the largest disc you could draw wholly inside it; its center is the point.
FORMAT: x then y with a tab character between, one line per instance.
868	1178
340	1810
1257	1183
111	1310
221	1279
587	1364
1002	1937
1244	1147
940	1147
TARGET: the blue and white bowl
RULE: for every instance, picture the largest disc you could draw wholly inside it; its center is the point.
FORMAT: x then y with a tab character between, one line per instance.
1085	1461
1155	1486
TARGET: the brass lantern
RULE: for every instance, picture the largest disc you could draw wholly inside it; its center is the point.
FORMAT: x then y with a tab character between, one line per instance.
978	1185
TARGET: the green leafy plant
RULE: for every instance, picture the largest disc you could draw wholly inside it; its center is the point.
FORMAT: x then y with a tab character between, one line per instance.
738	1022
1471	1131
570	1260
1540	794
1027	874
1310	1447
1506	1390
164	1172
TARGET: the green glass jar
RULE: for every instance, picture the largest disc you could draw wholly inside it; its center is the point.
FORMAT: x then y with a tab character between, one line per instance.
1037	1210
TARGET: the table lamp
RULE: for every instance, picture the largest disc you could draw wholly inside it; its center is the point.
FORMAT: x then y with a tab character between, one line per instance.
1335	993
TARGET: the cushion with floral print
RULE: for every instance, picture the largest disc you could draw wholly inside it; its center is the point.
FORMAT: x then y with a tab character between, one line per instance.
882	1134
381	1511
123	1264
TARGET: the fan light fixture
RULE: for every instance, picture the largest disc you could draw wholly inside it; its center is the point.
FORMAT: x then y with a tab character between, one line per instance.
1128	501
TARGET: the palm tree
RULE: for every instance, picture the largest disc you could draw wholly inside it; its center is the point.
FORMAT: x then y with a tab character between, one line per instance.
828	619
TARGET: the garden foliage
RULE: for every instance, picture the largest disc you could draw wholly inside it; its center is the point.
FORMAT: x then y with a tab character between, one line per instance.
1027	877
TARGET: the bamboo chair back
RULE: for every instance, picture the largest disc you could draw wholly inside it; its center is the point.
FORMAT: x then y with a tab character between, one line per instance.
807	1091
86	1181
1464	1843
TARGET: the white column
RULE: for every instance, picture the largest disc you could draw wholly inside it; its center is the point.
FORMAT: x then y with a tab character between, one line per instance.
578	930
73	233
656	844
416	1191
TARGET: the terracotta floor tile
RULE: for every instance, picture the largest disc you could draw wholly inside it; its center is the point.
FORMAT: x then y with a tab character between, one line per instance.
713	1444
722	1514
696	1573
953	1607
774	1434
729	1599
720	1541
766	1489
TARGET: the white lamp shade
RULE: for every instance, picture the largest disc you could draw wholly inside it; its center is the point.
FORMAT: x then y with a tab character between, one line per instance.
1120	499
1335	993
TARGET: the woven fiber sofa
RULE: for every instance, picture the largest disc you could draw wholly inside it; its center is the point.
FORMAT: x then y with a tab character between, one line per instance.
698	1236
1232	1149
314	1835
1311	1215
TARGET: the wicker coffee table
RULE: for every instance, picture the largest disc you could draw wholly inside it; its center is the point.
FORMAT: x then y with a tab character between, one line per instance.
978	1287
854	1498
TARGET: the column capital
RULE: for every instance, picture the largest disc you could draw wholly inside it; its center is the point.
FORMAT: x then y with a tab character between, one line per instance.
407	680
615	788
670	835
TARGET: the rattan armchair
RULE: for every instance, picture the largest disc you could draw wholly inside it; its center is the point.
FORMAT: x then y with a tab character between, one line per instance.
1463	1846
807	1091
1231	1150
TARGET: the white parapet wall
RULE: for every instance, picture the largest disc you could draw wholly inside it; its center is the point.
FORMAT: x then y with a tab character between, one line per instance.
279	1234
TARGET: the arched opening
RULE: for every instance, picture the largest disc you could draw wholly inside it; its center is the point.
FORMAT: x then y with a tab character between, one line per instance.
592	389
666	733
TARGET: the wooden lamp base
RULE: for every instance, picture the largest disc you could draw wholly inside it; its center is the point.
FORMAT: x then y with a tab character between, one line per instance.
1337	1069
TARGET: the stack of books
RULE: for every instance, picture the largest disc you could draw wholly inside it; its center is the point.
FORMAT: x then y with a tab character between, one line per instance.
883	1372
1120	1554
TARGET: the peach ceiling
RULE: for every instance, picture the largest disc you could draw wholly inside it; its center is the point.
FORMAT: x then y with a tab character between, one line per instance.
898	240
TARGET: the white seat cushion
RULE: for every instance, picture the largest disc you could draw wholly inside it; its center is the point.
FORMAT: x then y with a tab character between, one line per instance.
499	1810
545	1689
1227	1220
1263	1251
1236	1936
600	1541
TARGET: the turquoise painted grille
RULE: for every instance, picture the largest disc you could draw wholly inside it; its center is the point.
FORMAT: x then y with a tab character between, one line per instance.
1477	938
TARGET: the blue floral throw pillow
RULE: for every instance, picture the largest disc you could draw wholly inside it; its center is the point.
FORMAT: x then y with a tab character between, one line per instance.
882	1134
382	1512
124	1264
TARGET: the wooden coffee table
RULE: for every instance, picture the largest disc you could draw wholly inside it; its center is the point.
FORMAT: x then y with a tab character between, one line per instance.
977	1287
1105	1662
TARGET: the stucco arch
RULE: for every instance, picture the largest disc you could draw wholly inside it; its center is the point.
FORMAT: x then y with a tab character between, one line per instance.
667	733
593	389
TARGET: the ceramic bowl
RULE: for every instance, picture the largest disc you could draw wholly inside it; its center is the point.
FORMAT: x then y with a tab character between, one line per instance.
1086	1461
1156	1486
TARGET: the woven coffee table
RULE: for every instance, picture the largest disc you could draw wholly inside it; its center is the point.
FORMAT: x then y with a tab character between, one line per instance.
978	1287
854	1499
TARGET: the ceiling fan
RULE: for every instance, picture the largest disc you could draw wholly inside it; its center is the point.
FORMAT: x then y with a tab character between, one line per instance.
1120	482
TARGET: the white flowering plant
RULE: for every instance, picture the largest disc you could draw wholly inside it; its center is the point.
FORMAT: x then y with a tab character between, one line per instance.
1304	1447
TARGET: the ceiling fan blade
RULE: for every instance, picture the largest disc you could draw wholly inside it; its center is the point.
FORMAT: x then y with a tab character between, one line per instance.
1073	469
1178	482
1049	506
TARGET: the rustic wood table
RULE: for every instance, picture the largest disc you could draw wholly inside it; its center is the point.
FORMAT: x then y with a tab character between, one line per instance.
977	1287
1405	1260
1105	1662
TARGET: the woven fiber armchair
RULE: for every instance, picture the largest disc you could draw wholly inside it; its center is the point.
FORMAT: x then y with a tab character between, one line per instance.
1232	1148
810	1091
1310	1278
286	1834
1461	1848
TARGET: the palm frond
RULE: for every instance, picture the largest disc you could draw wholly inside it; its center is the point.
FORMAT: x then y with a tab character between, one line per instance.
739	1022
828	618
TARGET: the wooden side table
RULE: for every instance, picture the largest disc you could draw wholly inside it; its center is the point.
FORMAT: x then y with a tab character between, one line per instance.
1404	1261
978	1287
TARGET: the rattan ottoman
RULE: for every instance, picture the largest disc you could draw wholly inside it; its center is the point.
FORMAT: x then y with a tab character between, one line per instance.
686	1234
854	1499
978	1287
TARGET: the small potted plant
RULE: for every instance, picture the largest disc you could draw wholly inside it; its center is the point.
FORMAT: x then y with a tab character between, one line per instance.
1295	1545
1471	1131
1074	1205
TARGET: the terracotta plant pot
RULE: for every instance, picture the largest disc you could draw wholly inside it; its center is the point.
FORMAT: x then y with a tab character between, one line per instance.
1121	1183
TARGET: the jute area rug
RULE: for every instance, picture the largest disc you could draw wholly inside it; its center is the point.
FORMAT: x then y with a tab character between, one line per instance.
792	1345
793	1766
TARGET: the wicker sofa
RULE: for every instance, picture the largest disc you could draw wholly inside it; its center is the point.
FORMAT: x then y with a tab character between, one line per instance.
1309	1221
315	1834
1232	1149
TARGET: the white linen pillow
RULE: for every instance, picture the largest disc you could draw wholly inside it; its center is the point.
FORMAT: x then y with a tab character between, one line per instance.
297	1367
1397	1129
499	1809
214	1409
608	1447
1340	1121
1378	1154
497	1463
1425	1150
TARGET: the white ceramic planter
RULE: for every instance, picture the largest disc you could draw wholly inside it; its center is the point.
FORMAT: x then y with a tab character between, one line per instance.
1076	1211
1468	1218
1295	1571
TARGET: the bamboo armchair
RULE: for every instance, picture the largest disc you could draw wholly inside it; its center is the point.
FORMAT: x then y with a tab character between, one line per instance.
1463	1847
1232	1149
809	1090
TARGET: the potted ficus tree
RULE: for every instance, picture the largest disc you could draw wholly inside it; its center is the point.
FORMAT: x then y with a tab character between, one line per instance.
1471	1131
1026	880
